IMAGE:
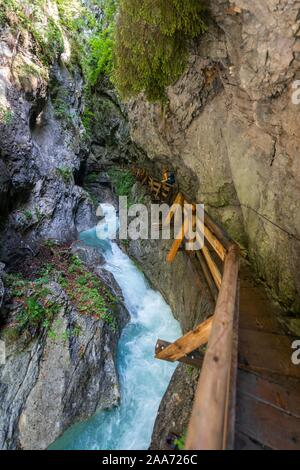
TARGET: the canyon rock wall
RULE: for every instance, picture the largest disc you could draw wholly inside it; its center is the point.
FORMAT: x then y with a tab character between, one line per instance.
59	378
42	144
231	133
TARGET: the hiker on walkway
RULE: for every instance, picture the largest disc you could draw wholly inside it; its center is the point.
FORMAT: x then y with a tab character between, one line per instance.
168	177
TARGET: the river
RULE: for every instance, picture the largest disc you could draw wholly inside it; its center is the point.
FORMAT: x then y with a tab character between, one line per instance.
143	379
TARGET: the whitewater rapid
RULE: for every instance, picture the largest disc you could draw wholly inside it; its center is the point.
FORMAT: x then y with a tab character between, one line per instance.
143	379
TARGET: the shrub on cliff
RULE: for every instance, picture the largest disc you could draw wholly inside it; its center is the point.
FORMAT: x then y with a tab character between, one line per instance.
151	44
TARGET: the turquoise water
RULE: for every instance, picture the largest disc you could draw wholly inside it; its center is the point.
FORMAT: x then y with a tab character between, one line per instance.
143	379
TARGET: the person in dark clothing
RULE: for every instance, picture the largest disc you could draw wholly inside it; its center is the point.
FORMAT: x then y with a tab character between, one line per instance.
168	177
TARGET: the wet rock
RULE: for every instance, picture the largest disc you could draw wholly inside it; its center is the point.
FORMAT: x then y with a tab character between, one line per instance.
175	408
63	376
2	289
42	149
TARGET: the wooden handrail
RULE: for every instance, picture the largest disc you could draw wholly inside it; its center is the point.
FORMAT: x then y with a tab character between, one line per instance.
211	425
207	424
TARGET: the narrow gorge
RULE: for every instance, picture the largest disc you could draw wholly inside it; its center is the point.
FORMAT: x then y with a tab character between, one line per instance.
93	94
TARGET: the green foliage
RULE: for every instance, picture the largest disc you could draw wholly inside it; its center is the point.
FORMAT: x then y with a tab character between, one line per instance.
76	264
50	243
6	116
29	15
180	442
122	181
28	215
54	41
65	173
92	178
66	335
151	44
101	43
33	298
89	294
87	118
61	110
37	307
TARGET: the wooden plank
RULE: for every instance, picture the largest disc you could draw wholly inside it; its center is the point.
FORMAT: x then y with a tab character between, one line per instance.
166	187
217	277
267	424
187	343
194	359
207	274
215	243
266	353
285	396
257	311
206	427
244	442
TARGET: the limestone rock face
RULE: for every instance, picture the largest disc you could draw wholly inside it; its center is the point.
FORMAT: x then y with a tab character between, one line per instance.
42	149
64	375
111	142
231	133
2	289
175	408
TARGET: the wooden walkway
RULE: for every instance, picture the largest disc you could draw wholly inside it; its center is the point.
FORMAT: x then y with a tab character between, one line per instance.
268	384
248	396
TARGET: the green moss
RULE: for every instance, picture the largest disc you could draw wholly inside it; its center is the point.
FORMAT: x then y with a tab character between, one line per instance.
151	44
89	294
30	15
92	178
65	173
6	116
122	181
28	215
34	301
37	309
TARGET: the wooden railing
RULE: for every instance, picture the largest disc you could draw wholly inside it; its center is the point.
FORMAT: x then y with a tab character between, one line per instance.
212	420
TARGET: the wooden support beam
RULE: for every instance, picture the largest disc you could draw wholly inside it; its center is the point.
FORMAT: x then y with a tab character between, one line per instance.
194	258
215	243
187	343
178	201
178	241
175	247
195	269
194	359
156	195
145	179
217	231
217	277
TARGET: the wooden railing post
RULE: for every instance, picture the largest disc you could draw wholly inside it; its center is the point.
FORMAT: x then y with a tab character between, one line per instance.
206	427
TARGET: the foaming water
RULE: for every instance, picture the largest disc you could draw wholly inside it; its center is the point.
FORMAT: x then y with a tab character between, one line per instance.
143	379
